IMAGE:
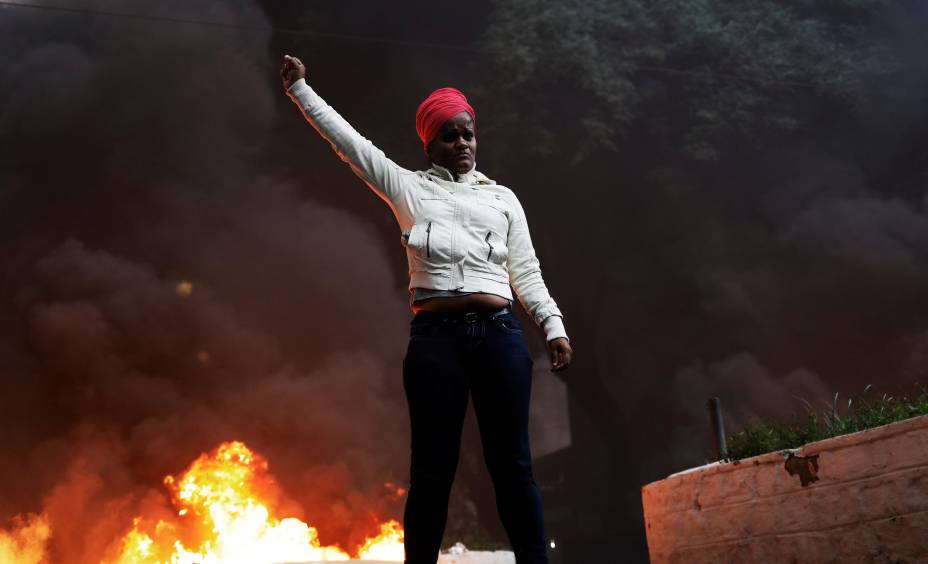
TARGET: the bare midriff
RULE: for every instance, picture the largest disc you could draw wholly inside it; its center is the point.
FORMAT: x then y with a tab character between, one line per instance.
460	304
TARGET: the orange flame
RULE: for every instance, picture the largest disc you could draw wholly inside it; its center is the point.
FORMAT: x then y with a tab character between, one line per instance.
388	545
222	518
26	543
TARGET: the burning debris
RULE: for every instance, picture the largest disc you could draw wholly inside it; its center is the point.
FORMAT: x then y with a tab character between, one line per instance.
222	511
225	515
136	381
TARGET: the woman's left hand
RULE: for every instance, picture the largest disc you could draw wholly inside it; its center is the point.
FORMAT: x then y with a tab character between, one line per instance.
561	353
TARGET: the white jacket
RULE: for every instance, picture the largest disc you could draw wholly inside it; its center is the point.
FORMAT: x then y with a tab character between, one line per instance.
469	235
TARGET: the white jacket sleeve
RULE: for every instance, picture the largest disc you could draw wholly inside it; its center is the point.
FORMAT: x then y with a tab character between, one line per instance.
525	278
381	174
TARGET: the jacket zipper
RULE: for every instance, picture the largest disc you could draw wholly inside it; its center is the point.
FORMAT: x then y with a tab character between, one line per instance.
490	244
428	238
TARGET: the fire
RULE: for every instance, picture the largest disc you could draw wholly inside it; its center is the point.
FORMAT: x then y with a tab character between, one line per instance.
388	545
26	543
224	516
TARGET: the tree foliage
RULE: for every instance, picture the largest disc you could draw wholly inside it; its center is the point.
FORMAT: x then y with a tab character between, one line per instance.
692	74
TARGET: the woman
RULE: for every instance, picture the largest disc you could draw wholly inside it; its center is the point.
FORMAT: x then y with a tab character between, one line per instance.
467	241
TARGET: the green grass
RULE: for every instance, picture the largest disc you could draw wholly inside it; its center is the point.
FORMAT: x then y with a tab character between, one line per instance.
762	436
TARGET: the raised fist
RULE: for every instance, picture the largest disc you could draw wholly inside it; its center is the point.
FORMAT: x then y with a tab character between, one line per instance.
291	71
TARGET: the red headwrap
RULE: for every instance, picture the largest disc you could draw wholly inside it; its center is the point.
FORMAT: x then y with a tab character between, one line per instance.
438	108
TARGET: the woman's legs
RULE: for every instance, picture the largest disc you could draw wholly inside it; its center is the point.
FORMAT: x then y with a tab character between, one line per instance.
501	384
437	393
444	364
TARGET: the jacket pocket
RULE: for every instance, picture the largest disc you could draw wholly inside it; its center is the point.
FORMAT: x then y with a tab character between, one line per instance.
428	240
495	248
419	239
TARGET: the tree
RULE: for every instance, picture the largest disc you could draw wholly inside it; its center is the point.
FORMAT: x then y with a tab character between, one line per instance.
694	75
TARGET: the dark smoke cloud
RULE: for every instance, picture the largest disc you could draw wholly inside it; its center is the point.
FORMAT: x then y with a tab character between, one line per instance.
805	287
796	271
133	163
748	390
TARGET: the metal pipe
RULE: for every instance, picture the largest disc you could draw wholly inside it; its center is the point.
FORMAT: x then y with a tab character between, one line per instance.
718	427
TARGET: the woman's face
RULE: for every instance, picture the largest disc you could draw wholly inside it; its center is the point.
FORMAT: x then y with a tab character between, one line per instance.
455	145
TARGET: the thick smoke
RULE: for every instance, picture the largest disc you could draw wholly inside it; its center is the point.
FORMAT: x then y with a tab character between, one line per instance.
166	288
795	271
748	390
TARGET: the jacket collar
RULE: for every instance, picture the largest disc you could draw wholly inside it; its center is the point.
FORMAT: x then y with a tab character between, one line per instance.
473	176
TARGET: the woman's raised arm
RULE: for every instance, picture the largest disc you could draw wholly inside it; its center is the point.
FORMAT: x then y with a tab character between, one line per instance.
381	174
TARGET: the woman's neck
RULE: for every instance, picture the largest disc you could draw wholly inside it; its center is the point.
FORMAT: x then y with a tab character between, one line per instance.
457	177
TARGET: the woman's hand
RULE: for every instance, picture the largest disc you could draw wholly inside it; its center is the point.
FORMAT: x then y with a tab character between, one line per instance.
291	71
561	353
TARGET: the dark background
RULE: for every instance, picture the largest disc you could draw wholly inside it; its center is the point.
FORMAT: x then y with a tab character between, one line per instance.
727	199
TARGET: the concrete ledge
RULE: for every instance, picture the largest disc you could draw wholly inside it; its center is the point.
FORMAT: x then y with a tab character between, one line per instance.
856	497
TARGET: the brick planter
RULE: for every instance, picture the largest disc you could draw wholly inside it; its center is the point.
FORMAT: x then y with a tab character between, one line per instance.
856	498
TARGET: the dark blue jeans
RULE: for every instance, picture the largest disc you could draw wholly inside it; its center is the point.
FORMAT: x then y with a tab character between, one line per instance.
449	359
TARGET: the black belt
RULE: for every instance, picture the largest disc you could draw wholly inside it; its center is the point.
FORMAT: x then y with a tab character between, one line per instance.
463	316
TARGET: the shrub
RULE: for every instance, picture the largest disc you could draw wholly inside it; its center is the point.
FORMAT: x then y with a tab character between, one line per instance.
762	437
